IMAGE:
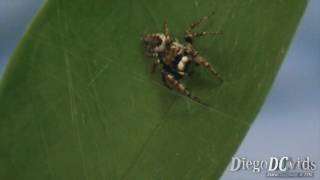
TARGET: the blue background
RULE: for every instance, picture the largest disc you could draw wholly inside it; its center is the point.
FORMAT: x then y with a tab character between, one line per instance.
289	122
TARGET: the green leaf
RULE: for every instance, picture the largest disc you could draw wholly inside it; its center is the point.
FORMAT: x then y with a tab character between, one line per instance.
78	101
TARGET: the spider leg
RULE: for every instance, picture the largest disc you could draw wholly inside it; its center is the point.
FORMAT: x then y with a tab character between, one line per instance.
196	23
165	28
204	62
179	87
155	63
205	33
189	35
164	79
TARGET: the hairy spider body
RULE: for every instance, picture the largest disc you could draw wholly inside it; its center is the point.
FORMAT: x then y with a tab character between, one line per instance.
175	58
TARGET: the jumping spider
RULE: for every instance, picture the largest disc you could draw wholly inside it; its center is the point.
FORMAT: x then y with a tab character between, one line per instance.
175	58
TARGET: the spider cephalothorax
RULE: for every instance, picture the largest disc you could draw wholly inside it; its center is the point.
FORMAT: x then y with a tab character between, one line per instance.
175	57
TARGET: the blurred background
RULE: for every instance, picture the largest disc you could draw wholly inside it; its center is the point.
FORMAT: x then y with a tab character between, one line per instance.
288	123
